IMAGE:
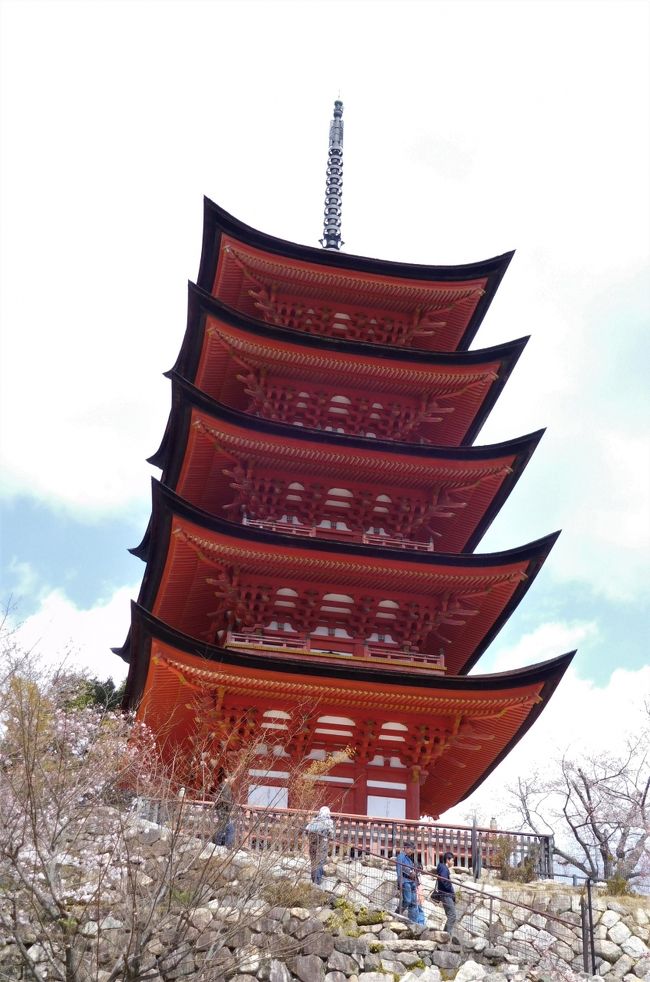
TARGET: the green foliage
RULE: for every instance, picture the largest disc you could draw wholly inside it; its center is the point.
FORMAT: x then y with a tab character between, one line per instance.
619	886
366	916
525	871
87	693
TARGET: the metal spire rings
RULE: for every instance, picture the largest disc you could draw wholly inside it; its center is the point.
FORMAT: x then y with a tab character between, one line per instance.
334	182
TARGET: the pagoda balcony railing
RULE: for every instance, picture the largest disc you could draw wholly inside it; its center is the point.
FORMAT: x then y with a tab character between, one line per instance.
332	647
263	828
345	535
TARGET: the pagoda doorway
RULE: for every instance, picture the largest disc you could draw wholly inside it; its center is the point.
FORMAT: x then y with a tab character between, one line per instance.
380	806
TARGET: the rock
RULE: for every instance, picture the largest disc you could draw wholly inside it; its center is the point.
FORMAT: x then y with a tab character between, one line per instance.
431	974
302	929
385	965
372	962
355	946
274	971
623	966
410	945
336	977
609	918
338	961
89	930
201	917
37	953
375	977
642	968
386	934
446	959
248	958
301	913
244	978
110	924
238	938
320	943
635	947
607	950
471	971
177	969
308	968
619	933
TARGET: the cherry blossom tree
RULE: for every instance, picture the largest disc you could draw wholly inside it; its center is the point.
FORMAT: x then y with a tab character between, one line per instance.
598	808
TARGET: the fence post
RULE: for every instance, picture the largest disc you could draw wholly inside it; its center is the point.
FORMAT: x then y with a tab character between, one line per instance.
583	925
490	922
592	949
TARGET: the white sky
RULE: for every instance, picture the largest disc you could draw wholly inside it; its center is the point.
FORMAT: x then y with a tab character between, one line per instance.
470	129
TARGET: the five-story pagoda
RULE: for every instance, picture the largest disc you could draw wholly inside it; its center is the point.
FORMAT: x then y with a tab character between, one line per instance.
309	560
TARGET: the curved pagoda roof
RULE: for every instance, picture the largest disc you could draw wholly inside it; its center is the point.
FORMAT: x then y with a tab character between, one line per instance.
458	491
200	568
451	393
452	731
437	307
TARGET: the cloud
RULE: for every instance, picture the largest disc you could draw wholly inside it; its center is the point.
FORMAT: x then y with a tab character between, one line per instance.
580	719
547	641
59	632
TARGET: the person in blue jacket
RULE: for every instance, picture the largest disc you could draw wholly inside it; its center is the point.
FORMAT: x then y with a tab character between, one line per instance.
446	890
407	881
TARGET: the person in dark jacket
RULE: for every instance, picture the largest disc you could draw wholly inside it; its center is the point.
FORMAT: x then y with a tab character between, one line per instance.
446	890
407	881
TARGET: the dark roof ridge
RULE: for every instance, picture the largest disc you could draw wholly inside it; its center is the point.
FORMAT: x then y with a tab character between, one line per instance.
184	391
166	499
526	675
205	302
220	219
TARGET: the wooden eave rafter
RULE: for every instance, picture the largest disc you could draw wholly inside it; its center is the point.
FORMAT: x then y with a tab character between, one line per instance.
219	344
484	715
322	273
203	438
182	544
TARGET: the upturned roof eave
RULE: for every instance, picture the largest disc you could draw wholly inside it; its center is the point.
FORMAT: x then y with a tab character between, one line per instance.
145	625
200	302
186	395
217	222
166	501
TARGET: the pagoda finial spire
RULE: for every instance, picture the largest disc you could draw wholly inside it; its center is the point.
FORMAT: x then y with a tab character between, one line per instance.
334	182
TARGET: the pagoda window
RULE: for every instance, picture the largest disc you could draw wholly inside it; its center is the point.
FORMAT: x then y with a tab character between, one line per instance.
277	714
396	762
377	761
332	732
394	785
281	775
316	755
339	720
392	737
386	726
373	436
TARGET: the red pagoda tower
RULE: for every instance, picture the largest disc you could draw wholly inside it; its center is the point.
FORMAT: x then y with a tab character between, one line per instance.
310	564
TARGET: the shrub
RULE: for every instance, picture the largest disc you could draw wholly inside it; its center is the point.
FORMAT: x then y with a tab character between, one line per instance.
525	871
